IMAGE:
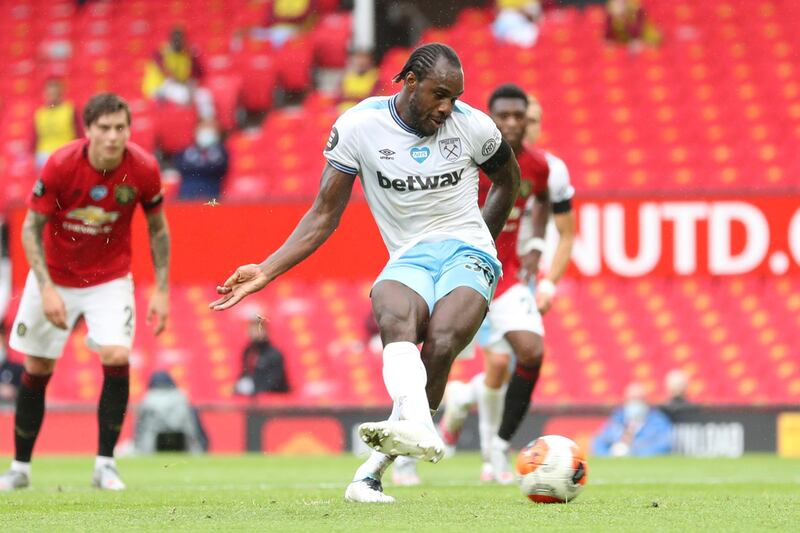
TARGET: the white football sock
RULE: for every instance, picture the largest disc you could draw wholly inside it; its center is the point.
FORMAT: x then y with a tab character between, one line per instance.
458	399
374	467
404	460
467	396
502	444
405	378
18	466
377	462
490	413
101	461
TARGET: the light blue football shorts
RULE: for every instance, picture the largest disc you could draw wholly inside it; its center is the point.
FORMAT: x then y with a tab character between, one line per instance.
434	269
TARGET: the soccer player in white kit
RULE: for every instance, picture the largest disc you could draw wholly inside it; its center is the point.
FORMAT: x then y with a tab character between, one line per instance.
417	154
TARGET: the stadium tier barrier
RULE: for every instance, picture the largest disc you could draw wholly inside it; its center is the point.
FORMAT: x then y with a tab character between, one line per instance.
702	431
630	237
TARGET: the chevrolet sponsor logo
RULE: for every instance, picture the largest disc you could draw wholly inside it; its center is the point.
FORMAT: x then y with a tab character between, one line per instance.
93	216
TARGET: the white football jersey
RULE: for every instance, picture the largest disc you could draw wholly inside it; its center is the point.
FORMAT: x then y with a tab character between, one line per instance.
559	187
419	189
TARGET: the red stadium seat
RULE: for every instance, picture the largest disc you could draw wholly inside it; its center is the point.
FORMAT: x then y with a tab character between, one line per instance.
175	125
602	332
225	90
143	124
295	60
259	77
330	40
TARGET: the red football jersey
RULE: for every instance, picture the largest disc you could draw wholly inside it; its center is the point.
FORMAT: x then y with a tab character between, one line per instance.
87	239
534	172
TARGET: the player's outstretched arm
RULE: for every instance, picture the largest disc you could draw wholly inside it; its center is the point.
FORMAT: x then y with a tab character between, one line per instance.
158	231
313	229
52	304
503	171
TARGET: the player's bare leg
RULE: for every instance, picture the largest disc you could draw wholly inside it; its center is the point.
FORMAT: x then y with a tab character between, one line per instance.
401	315
110	415
529	350
454	322
455	319
28	420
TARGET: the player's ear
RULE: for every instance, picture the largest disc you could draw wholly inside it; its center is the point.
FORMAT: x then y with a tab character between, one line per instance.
411	80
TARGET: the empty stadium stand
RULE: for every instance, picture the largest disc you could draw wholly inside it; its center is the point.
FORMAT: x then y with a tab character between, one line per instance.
715	108
735	338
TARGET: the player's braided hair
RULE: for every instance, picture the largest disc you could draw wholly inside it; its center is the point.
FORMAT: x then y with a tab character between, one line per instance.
422	60
508	90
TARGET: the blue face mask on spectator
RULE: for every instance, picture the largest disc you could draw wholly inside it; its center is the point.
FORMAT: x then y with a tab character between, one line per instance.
206	137
635	410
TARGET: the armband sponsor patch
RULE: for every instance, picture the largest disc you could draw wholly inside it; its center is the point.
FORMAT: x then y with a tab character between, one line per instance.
490	145
333	140
500	157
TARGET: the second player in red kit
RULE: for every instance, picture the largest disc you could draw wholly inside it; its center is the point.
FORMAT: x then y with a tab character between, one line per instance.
77	239
533	181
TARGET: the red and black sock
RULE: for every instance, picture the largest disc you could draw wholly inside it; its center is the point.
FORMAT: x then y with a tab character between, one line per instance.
112	407
29	415
518	399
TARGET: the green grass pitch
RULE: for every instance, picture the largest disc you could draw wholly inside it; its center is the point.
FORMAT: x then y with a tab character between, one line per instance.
263	493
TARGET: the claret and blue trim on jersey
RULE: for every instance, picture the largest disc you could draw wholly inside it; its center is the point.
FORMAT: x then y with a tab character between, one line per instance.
343	168
457	108
396	117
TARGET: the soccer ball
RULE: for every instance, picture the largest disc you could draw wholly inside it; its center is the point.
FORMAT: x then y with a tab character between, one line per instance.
553	469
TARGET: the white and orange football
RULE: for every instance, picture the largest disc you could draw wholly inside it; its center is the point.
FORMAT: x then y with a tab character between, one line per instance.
553	469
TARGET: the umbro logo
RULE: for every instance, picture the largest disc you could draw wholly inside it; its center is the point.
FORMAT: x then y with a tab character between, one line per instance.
386	153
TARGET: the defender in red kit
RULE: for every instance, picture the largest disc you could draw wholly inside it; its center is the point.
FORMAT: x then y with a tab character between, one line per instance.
77	239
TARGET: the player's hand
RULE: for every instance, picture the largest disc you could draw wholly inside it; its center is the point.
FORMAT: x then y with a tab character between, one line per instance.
530	265
157	311
545	290
53	306
543	302
246	280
